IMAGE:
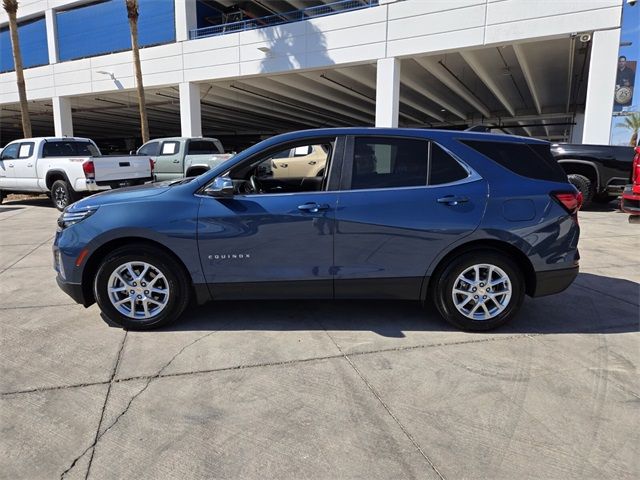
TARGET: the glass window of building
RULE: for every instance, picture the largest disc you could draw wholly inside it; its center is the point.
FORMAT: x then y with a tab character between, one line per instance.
103	27
33	45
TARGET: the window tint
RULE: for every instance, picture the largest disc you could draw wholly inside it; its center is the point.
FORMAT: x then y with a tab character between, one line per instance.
529	160
169	148
69	149
202	147
305	161
389	163
444	168
10	152
151	149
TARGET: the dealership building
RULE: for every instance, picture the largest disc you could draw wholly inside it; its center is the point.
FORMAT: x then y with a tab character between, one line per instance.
243	70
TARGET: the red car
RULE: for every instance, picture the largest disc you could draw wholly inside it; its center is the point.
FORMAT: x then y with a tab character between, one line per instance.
630	202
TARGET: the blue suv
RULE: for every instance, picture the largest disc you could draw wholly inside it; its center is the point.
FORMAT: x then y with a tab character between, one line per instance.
471	221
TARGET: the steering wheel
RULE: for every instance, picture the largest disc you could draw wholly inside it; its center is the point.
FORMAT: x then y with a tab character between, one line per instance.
254	184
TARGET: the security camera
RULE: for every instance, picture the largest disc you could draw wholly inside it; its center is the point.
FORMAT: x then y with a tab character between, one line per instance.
585	37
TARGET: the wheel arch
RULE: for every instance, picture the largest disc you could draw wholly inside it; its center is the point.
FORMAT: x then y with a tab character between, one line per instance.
582	167
497	246
53	175
93	264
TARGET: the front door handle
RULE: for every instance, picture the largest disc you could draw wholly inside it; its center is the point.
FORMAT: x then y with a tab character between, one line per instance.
176	161
312	162
29	164
312	207
452	200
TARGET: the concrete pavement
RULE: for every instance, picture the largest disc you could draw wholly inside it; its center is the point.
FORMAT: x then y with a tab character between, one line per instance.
320	390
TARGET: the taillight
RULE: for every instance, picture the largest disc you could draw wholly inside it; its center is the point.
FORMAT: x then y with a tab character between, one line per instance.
89	169
152	165
635	170
571	201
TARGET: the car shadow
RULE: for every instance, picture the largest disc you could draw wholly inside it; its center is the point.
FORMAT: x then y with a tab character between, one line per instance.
40	201
580	309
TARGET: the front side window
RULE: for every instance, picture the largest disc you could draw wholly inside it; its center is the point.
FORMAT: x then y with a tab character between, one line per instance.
150	149
389	163
296	168
10	152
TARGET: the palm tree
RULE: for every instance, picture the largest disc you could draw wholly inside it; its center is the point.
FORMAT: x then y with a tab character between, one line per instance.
632	122
132	13
11	7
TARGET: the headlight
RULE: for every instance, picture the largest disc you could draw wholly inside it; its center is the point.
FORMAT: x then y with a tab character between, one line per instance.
72	217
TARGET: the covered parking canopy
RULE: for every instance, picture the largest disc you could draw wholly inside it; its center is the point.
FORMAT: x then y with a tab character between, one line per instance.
534	89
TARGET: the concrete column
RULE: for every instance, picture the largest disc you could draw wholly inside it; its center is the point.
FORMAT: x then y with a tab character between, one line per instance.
52	35
190	116
388	92
185	17
601	86
578	129
62	119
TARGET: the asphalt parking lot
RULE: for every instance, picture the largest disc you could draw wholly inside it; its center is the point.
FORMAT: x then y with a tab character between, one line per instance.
320	389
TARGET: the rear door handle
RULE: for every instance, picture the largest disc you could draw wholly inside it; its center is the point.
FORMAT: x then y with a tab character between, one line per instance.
452	200
176	161
312	207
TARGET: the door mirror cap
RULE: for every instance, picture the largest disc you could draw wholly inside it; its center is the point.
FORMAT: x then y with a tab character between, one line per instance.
222	187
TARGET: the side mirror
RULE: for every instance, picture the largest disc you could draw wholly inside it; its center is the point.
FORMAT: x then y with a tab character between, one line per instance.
222	187
132	152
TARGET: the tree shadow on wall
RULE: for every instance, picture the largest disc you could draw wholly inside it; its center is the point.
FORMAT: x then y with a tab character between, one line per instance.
294	46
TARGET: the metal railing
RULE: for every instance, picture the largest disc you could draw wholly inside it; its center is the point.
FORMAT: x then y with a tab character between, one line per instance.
282	18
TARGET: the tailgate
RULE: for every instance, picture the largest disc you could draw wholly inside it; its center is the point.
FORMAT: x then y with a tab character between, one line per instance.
113	169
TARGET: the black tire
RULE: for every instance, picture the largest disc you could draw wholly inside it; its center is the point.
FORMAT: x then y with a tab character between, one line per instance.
62	195
447	279
176	280
584	185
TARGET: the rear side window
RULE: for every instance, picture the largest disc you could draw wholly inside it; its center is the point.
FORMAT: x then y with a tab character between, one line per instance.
444	168
529	160
202	147
389	162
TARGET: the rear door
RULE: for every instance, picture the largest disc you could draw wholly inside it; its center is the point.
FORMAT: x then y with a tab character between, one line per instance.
169	162
402	201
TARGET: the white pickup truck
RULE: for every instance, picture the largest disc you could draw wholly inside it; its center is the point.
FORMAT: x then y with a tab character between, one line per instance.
66	168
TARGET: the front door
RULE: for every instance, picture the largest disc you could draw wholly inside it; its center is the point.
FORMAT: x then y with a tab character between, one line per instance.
403	201
273	238
8	166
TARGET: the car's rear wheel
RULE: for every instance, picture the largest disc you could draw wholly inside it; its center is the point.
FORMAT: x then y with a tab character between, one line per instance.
62	195
479	290
140	287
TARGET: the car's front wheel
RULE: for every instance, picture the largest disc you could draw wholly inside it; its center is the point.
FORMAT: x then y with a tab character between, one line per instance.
140	287
479	290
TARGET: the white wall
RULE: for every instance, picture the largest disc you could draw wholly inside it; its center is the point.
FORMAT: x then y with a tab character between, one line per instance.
402	28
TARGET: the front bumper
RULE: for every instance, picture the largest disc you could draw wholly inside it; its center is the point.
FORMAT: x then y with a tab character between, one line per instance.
74	290
554	281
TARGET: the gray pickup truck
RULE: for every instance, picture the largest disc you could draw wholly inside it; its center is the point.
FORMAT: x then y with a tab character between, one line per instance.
179	157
